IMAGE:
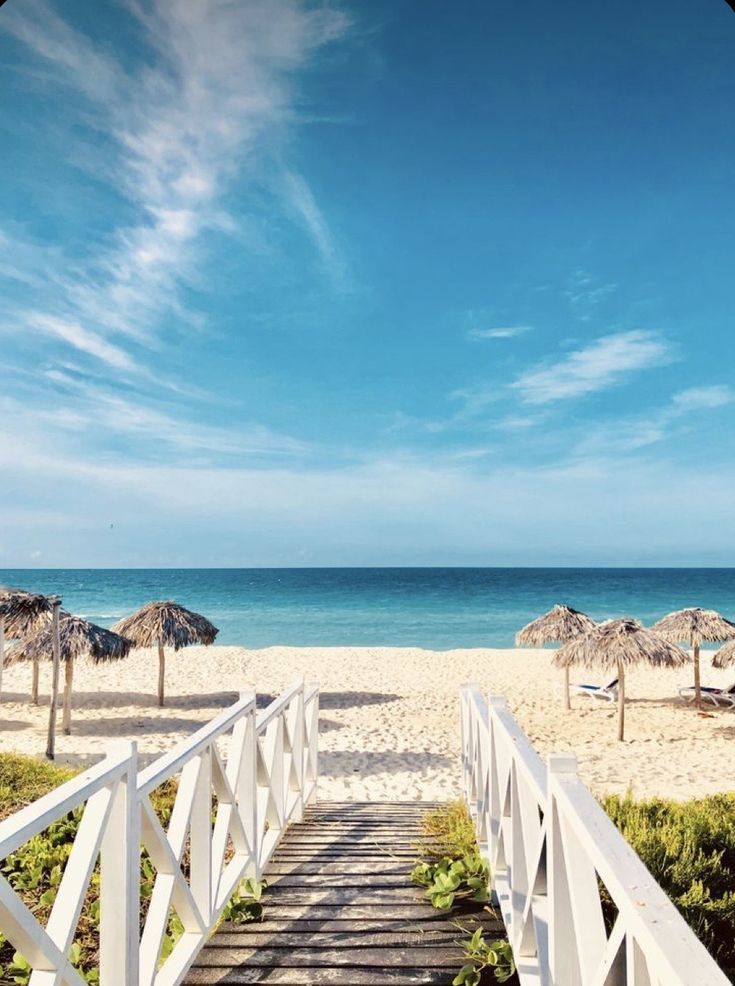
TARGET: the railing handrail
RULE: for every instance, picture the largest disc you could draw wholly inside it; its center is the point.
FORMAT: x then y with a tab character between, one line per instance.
22	825
262	776
275	707
648	909
549	842
170	763
526	755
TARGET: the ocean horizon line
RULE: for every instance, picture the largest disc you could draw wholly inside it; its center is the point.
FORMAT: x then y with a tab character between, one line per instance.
358	568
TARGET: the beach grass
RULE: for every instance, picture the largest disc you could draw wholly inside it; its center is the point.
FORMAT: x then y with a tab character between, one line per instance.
447	831
689	847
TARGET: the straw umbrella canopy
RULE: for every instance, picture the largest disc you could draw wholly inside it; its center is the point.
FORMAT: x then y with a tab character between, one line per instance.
165	624
616	645
725	656
559	625
21	613
693	626
77	638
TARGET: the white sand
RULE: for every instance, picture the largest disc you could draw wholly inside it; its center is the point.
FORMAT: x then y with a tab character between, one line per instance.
389	719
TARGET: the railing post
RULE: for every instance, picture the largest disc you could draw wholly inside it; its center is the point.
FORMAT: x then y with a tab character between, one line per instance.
200	836
297	755
120	881
564	966
247	786
465	727
311	749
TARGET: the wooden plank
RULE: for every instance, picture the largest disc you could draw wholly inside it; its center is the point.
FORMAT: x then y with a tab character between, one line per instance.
342	895
344	879
374	958
351	938
373	852
283	976
343	925
340	908
375	847
328	912
347	865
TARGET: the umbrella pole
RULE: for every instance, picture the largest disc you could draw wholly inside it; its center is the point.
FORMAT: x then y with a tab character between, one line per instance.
161	672
68	679
697	680
34	682
56	644
621	701
567	703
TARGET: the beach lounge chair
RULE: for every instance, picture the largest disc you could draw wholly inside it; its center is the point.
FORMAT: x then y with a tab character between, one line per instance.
606	693
717	696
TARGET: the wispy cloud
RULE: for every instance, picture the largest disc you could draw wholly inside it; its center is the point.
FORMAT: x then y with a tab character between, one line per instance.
76	410
585	293
178	129
604	363
695	398
82	339
302	200
502	332
633	433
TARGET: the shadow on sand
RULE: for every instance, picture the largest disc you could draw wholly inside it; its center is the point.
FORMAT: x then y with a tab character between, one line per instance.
130	725
335	762
342	700
12	725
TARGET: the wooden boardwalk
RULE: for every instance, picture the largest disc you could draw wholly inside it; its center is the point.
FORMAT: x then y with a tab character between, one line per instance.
340	908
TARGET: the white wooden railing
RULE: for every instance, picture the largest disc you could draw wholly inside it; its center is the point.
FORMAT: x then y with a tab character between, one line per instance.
241	780
550	846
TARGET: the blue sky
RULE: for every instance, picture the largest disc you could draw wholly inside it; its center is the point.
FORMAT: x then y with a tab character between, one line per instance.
367	283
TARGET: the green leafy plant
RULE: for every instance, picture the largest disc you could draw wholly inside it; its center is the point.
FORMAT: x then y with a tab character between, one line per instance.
481	956
450	880
246	903
35	870
454	874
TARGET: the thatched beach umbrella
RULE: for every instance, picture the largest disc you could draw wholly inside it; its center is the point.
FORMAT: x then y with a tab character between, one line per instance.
165	624
559	625
693	626
22	613
615	645
725	656
77	638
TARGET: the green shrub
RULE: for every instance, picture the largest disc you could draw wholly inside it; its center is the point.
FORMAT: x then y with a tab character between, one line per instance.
689	847
24	779
36	868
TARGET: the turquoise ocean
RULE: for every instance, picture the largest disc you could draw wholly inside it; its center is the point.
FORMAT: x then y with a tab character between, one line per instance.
437	608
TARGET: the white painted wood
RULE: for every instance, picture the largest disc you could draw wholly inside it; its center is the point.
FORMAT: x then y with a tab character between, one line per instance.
245	785
548	841
200	838
311	726
65	912
22	929
170	763
244	759
120	880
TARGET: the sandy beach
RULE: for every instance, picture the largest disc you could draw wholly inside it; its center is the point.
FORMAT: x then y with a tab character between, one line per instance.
389	717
